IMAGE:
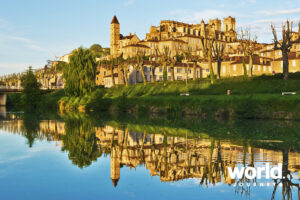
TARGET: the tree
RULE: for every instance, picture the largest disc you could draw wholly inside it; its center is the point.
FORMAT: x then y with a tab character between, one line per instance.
218	55
80	73
285	44
140	60
193	59
248	47
165	61
31	96
123	67
154	60
207	45
99	51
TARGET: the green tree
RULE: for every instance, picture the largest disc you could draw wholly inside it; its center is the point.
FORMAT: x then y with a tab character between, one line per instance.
99	51
80	73
31	96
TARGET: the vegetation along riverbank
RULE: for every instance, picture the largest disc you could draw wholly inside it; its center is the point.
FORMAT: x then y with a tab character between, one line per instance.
254	97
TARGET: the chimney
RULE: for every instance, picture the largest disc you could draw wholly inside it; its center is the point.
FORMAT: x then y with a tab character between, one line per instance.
130	34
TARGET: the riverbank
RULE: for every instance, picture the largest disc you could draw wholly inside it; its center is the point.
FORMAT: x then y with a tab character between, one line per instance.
254	98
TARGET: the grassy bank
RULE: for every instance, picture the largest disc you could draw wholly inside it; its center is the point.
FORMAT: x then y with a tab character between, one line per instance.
257	97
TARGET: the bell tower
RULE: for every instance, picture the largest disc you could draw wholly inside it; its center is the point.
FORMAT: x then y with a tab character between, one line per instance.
114	36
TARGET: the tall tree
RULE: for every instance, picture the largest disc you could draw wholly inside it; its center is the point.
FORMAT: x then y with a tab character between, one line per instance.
140	61
154	60
80	73
248	45
165	61
207	45
31	96
285	44
218	55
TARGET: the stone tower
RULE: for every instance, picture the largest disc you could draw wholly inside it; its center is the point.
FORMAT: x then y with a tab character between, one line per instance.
229	24
217	24
114	36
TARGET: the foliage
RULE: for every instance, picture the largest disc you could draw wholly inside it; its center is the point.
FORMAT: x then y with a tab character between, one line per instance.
99	51
80	141
31	127
31	91
80	73
97	102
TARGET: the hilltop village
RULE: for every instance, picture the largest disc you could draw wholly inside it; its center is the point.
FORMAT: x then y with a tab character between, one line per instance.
187	51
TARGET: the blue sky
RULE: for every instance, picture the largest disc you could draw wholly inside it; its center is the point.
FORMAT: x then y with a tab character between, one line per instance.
34	31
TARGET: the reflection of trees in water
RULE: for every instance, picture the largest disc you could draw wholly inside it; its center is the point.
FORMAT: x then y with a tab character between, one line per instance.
243	185
286	181
31	127
80	141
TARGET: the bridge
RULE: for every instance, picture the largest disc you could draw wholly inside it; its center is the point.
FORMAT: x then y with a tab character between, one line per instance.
8	89
13	89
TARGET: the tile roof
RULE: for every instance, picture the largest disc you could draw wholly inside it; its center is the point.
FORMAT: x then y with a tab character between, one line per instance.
137	45
114	20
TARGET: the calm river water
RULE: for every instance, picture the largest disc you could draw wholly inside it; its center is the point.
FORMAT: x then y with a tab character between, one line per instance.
77	156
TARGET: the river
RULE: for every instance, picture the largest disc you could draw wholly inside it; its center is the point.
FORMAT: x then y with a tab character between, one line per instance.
81	156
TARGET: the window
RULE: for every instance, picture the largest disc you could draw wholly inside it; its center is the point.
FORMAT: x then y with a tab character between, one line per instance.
264	68
234	67
247	67
179	70
104	73
160	69
294	63
160	78
179	77
258	68
224	69
270	69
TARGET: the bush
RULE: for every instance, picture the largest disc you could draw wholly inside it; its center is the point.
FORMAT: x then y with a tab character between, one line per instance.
97	101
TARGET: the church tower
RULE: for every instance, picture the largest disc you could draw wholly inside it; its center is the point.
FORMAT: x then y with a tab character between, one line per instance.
228	24
114	36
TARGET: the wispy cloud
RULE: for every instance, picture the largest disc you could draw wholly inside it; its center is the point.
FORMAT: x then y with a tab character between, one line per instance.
280	12
129	2
28	43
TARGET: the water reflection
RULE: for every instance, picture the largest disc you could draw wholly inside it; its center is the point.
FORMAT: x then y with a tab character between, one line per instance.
171	155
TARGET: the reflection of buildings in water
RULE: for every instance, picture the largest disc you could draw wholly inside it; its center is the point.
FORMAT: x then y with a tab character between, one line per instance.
176	158
2	112
171	158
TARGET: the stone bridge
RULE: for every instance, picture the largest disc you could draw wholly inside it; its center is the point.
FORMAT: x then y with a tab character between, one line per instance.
13	89
3	93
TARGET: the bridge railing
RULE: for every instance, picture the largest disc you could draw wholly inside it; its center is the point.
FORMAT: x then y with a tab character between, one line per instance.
21	88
